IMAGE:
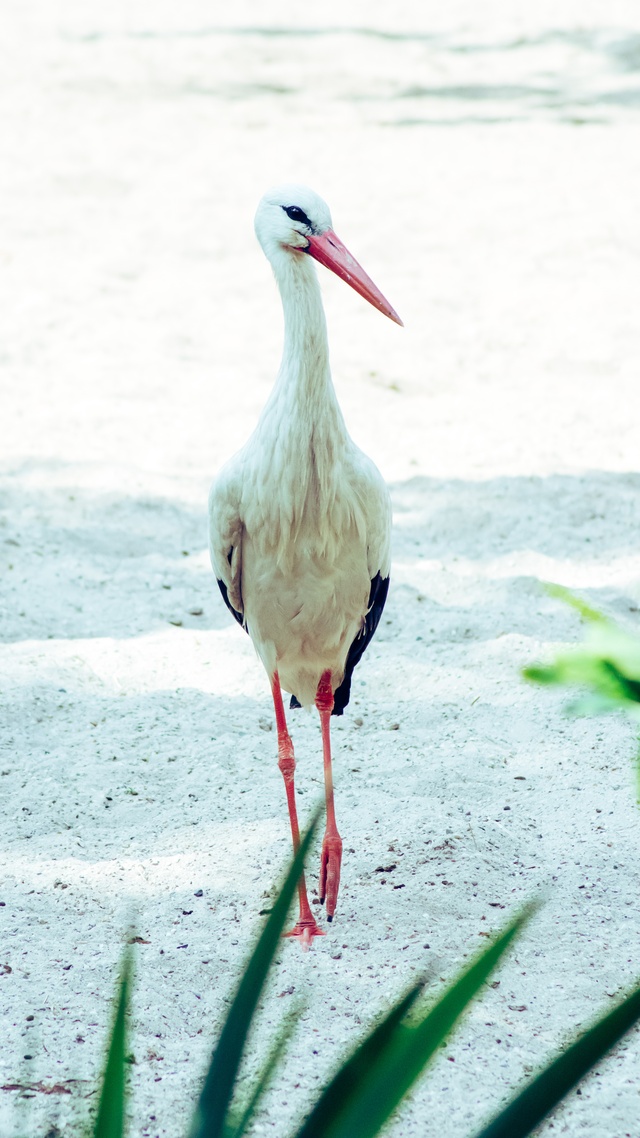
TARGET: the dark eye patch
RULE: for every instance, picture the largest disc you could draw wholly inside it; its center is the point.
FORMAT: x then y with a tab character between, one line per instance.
296	214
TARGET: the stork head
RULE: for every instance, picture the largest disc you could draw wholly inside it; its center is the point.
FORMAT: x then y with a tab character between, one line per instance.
293	220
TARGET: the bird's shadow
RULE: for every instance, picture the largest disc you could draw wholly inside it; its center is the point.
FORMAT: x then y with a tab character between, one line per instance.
177	787
79	563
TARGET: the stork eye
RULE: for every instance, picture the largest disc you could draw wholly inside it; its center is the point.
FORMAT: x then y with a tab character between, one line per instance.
296	214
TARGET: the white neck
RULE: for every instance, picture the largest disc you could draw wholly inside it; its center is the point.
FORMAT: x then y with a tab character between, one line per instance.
304	379
301	433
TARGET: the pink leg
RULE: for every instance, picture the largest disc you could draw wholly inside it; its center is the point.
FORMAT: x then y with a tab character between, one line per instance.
306	927
331	857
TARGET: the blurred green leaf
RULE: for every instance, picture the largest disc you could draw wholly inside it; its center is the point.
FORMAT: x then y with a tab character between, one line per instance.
555	1081
111	1108
585	610
607	662
210	1118
235	1129
364	1093
336	1094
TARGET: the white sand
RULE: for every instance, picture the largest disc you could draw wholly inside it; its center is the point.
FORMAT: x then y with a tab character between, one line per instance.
484	165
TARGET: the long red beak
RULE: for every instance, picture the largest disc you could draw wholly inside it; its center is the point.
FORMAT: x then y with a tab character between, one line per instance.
329	251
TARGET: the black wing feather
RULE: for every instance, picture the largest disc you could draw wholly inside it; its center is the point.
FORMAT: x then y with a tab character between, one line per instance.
377	598
234	612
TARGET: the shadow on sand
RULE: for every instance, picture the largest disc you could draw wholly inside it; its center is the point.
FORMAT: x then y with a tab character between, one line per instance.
84	564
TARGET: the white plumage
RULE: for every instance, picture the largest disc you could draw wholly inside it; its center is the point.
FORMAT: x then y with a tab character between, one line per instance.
300	518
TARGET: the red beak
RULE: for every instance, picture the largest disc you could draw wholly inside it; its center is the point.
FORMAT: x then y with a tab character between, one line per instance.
329	251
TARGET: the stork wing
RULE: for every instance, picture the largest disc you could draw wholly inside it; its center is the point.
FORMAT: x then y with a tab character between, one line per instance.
377	510
225	540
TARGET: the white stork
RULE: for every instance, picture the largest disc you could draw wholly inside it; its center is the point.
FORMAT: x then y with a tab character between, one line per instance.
300	518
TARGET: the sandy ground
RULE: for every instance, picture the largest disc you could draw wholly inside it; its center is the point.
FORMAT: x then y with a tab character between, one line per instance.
484	165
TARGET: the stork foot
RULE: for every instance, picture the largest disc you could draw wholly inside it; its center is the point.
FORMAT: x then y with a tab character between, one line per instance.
306	928
330	861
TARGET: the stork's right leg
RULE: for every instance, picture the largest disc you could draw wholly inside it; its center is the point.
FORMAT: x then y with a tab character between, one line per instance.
306	927
332	844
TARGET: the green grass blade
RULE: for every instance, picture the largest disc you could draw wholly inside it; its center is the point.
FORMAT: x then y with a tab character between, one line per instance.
374	1091
211	1112
333	1099
237	1129
111	1108
544	1092
569	598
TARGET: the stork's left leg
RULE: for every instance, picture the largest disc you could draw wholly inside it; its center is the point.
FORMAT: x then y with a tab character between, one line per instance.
306	927
331	857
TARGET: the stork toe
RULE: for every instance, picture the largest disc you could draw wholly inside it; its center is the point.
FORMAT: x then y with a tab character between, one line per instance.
305	929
